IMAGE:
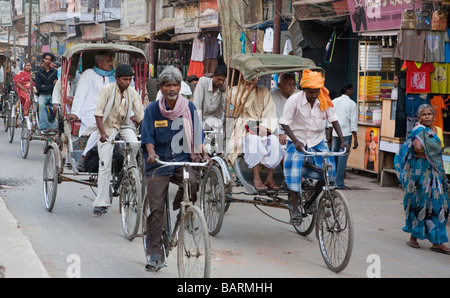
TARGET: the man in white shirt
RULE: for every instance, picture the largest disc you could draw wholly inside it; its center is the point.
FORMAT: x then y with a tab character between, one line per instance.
346	110
286	87
209	94
303	120
91	82
118	107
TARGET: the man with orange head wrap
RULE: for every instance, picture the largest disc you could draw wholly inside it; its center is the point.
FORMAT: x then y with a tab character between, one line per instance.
304	120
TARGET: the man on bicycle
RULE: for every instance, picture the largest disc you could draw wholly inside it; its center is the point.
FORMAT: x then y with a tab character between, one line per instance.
304	120
171	131
46	79
113	115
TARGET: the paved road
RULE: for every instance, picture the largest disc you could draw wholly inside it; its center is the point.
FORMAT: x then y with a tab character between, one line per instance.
70	241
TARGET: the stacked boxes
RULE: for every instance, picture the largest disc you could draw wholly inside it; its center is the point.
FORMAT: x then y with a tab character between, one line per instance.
366	111
386	89
369	88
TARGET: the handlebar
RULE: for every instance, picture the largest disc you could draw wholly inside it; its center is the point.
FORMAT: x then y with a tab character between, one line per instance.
183	163
325	153
123	142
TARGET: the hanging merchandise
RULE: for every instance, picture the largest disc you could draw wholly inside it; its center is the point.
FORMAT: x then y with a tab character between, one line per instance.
418	76
198	49
439	78
329	49
411	45
408	20
423	19
254	43
242	40
439	21
268	40
287	47
435	46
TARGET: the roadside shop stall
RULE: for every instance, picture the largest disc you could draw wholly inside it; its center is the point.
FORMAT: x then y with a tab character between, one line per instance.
416	50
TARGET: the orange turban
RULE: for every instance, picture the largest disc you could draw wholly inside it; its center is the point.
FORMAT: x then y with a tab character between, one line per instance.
314	80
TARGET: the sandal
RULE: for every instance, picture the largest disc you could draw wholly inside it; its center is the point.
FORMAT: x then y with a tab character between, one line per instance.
413	244
441	248
272	185
296	217
154	264
99	211
259	186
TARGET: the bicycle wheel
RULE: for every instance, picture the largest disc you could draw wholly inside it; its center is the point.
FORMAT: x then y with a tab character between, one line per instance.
50	179
131	202
334	230
6	115
308	217
212	199
194	251
24	140
11	127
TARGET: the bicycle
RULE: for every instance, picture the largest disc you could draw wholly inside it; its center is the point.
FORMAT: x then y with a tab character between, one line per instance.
330	215
15	114
132	190
126	183
6	111
190	233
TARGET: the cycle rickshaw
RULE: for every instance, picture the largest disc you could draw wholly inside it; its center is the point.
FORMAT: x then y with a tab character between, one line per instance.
326	209
61	158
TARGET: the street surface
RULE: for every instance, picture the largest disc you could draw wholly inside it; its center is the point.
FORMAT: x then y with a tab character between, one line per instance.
71	242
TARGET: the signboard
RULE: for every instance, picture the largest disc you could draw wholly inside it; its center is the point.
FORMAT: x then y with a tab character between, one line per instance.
133	12
18	5
376	15
186	19
93	32
5	9
209	14
319	9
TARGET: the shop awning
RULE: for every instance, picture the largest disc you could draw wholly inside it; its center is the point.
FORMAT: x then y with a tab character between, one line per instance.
379	33
285	22
143	30
183	37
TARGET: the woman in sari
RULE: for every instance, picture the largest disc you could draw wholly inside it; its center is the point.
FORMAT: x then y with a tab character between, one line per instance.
22	80
421	173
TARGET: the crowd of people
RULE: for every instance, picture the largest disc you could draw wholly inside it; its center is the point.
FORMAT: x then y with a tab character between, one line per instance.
291	119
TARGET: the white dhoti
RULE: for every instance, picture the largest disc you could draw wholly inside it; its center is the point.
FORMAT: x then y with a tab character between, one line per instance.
265	150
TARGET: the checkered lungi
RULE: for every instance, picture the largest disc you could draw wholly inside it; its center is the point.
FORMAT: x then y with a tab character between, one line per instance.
293	165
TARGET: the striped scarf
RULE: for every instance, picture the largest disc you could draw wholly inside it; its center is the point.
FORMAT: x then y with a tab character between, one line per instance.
181	109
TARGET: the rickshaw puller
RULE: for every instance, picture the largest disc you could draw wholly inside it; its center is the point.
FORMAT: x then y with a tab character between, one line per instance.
303	121
113	115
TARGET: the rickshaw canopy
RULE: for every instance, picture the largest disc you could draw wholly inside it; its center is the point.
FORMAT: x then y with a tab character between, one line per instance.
96	47
252	66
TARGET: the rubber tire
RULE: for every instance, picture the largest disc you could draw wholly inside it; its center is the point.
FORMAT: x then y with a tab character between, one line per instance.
50	179
323	214
24	140
184	249
213	208
131	203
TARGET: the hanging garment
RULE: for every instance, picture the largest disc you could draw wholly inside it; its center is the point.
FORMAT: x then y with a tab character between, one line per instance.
268	40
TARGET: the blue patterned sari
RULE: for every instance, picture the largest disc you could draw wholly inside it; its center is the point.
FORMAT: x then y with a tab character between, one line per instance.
425	203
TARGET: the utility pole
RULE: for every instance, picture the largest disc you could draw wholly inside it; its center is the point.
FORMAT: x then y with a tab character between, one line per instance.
29	28
151	46
277	27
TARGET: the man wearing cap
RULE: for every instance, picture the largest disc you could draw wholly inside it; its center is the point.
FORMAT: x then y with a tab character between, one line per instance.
304	118
114	115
